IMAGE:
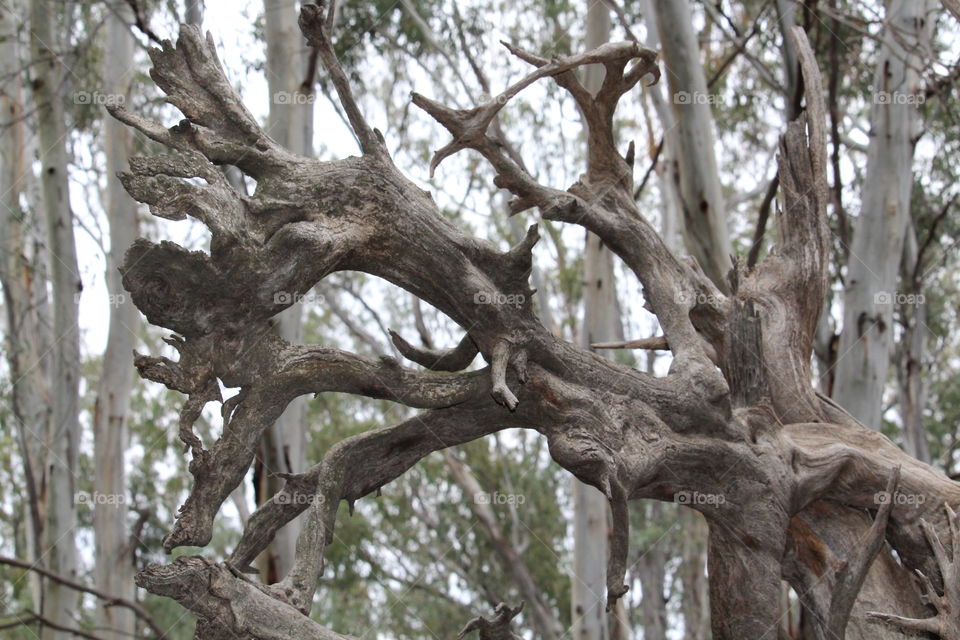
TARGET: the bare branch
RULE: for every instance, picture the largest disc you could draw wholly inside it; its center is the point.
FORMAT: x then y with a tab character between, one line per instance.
496	629
947	621
454	359
315	22
217	594
109	599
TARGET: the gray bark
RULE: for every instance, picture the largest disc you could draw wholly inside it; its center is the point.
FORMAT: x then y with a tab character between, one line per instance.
60	461
866	341
113	554
736	415
704	211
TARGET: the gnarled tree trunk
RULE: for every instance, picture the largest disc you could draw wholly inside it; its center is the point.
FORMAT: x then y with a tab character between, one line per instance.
734	430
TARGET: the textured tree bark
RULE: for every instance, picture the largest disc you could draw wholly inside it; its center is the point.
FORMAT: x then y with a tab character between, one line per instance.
866	341
60	461
113	553
735	426
704	211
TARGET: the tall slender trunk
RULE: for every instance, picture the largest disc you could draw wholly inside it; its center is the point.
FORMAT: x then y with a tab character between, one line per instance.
601	323
867	338
650	568
290	124
23	277
113	558
695	606
693	575
913	385
704	212
59	544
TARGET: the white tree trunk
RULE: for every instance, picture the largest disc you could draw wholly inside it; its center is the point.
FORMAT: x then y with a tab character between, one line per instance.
59	602
290	124
114	567
704	212
867	338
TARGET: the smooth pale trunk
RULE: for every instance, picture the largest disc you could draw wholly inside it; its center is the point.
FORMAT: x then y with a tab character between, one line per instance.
704	212
113	556
866	342
291	124
59	543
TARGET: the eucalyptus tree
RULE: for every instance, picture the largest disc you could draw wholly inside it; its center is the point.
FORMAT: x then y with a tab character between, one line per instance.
114	564
62	439
866	342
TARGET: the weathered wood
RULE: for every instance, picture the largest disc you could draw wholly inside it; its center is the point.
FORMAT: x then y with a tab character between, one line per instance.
749	444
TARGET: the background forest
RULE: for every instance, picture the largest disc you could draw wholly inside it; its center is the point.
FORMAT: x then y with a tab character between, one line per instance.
91	469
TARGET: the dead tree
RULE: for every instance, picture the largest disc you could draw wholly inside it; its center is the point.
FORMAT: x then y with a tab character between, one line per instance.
784	476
